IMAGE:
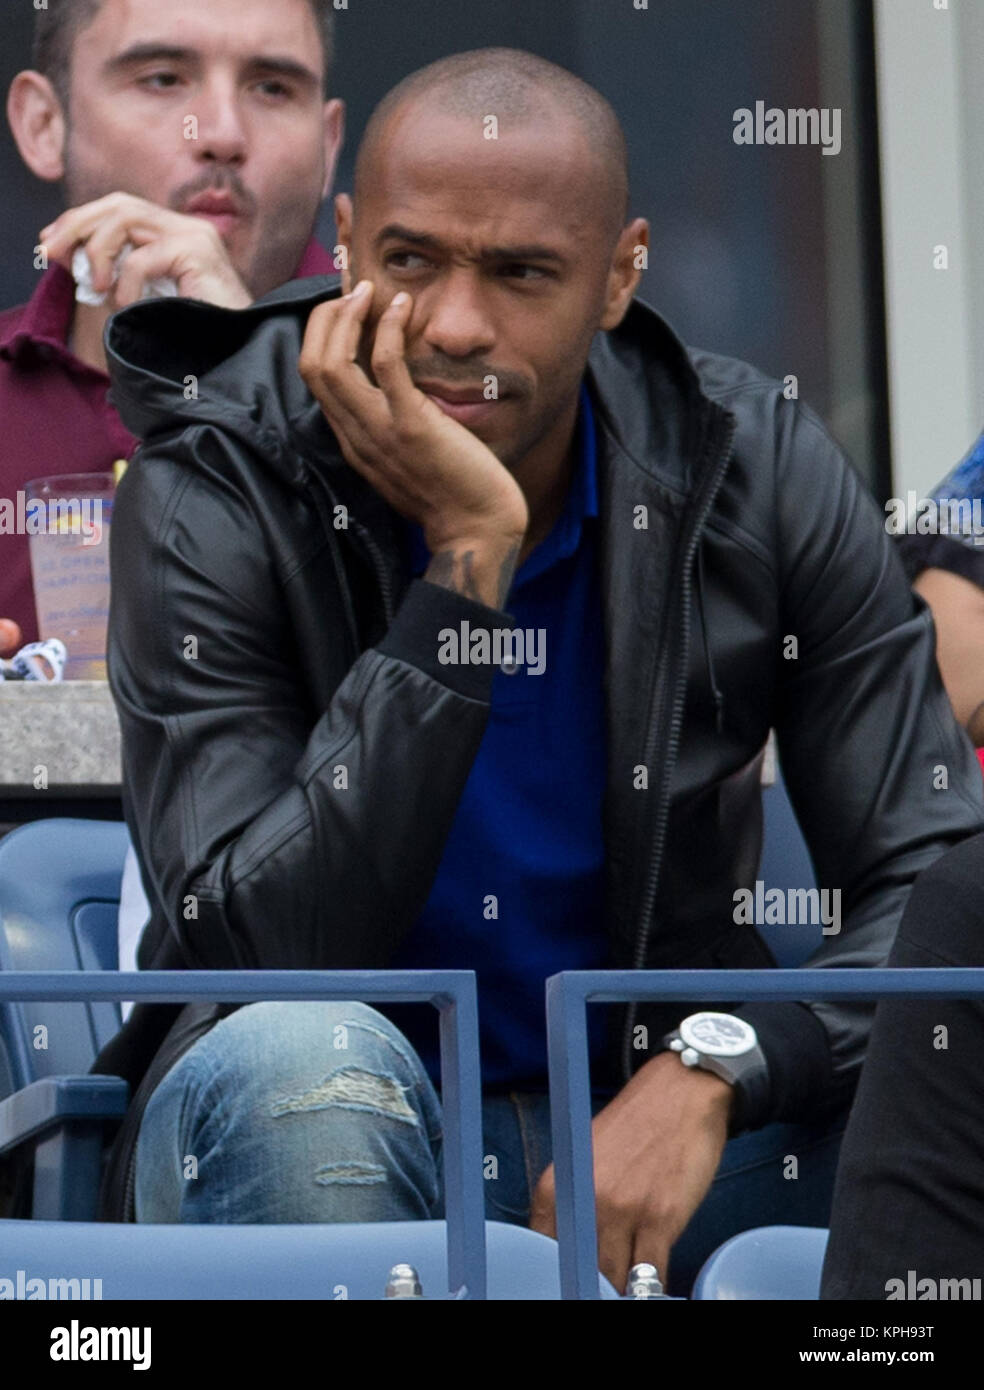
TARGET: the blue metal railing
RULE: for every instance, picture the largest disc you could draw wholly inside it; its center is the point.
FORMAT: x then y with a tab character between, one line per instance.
568	995
453	992
454	995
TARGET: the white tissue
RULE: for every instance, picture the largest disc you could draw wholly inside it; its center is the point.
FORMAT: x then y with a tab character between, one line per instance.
162	288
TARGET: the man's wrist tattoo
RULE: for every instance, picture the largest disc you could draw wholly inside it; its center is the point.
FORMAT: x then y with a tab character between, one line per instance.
455	570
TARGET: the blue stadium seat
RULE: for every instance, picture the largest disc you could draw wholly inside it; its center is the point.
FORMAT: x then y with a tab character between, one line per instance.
59	899
273	1262
772	1262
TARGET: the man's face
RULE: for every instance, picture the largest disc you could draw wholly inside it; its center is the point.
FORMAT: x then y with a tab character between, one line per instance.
502	246
172	102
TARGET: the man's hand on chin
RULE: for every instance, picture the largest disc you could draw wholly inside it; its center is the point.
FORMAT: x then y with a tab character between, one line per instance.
657	1147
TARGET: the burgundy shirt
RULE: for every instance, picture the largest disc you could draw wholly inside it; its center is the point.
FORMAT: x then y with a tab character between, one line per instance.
54	415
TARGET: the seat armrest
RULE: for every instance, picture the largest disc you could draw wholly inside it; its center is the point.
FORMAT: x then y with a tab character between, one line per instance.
52	1103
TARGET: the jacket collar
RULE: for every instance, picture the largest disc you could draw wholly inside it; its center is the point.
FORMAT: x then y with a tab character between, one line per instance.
650	411
644	387
648	396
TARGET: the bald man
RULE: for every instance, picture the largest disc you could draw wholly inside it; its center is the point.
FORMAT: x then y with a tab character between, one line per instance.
474	596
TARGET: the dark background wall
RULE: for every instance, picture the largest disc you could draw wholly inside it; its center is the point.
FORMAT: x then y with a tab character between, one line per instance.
742	248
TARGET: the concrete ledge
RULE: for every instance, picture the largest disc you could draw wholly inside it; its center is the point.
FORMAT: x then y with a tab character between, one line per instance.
69	729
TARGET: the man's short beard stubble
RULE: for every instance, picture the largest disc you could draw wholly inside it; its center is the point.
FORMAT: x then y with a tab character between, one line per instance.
453	372
77	190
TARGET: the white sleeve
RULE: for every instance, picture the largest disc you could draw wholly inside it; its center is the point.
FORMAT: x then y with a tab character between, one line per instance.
134	915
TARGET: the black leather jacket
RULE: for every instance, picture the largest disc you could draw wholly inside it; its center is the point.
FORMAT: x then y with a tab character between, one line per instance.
314	649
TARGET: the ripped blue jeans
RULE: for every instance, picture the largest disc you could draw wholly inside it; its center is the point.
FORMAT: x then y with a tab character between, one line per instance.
290	1112
308	1112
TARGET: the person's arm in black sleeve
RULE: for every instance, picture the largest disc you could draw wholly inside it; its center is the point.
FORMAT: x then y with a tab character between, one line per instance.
940	552
274	838
881	776
908	1195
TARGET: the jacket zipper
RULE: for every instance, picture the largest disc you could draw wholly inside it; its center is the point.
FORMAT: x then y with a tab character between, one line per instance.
383	573
672	740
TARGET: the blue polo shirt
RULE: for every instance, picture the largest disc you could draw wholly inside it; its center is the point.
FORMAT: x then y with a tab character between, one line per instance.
519	893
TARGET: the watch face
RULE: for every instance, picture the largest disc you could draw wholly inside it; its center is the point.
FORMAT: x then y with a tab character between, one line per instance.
719	1035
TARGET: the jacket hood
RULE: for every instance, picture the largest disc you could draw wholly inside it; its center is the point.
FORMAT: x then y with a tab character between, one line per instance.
176	363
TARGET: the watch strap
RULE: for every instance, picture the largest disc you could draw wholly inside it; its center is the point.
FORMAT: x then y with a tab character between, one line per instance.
749	1081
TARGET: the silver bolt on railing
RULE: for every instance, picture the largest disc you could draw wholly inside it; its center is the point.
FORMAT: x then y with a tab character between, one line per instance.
403	1282
644	1282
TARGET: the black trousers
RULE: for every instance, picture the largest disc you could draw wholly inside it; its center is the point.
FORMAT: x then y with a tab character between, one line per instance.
909	1193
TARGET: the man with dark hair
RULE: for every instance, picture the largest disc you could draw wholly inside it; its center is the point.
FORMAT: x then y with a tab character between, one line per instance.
495	456
58	25
196	138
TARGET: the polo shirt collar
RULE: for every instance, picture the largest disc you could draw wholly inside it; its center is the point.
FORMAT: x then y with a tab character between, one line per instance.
581	503
46	317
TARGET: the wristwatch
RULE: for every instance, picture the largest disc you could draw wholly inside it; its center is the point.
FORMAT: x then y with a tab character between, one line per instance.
721	1043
